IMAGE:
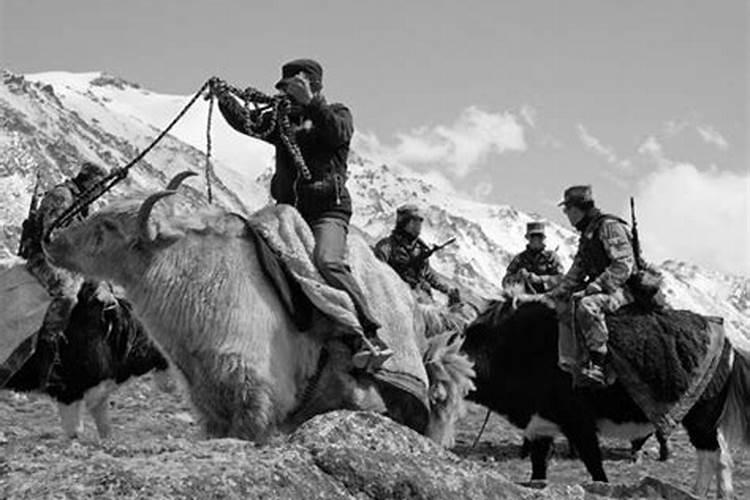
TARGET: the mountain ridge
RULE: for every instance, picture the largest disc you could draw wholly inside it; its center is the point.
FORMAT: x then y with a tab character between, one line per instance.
50	122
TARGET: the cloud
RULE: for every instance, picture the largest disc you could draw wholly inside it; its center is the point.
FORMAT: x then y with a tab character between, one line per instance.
454	149
594	145
712	136
698	216
528	113
651	147
482	190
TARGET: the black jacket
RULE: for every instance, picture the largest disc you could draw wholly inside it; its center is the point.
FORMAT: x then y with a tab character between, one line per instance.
323	133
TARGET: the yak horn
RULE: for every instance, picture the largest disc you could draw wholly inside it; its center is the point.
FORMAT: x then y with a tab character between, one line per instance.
145	212
177	179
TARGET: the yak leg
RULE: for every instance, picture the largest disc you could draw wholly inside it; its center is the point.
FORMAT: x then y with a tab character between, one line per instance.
724	487
100	414
582	435
706	467
539	448
636	449
97	403
71	416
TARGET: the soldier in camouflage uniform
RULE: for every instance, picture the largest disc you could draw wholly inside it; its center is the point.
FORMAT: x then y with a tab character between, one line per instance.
536	267
407	254
596	282
61	284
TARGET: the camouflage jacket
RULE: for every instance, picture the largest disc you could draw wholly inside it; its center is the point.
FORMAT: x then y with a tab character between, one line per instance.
405	254
543	263
53	204
605	260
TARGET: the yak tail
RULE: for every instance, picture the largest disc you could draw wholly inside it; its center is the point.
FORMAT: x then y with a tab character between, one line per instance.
450	374
735	419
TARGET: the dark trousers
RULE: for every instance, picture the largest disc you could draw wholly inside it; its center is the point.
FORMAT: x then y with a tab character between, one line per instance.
329	257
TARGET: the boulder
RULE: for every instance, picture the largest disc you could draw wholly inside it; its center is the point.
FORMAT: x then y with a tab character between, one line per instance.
339	455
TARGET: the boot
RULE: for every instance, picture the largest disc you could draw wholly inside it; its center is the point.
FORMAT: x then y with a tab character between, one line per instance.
372	352
593	372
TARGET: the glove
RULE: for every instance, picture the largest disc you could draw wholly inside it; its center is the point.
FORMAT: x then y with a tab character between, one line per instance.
217	87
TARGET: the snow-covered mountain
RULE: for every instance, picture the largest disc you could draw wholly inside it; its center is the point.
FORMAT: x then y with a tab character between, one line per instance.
50	122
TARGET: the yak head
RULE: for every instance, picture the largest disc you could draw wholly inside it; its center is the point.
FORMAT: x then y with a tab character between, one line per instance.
507	336
117	242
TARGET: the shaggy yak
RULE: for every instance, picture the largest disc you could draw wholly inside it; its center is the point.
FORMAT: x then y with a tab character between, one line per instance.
197	284
517	376
103	346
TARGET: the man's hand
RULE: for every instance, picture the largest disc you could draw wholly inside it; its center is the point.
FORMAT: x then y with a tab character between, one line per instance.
216	86
454	296
298	88
576	296
535	279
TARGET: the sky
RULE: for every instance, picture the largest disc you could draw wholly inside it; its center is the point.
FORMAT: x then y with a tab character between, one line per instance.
503	101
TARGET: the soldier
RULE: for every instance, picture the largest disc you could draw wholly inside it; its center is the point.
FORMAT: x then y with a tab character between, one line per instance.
595	283
323	133
61	284
408	255
536	267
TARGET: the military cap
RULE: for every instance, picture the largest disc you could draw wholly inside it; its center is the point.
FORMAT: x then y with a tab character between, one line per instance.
405	213
311	68
91	171
535	227
575	195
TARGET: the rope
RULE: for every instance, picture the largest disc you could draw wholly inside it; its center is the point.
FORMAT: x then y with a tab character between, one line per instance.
117	175
481	431
275	111
209	169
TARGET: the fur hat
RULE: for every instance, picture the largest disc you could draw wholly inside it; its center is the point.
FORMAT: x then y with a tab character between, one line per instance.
311	68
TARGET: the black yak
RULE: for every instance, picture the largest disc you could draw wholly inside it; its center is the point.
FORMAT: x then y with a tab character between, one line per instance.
517	376
103	346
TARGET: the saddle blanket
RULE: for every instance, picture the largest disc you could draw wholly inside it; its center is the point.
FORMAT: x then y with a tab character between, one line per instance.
390	299
666	359
23	304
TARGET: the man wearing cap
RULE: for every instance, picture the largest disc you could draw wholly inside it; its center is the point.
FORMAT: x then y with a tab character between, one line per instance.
536	267
62	285
323	133
595	284
408	255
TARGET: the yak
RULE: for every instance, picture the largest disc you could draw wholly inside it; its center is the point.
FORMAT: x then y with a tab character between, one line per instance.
197	283
103	346
518	377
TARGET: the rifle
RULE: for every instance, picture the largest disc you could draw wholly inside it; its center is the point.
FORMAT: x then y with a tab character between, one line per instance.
27	226
435	248
636	240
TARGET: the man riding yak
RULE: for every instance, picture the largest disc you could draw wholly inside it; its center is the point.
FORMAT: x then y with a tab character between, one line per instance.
62	285
323	133
595	285
537	268
409	255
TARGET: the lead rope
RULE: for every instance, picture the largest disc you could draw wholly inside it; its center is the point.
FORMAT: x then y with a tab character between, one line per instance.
102	187
209	167
481	431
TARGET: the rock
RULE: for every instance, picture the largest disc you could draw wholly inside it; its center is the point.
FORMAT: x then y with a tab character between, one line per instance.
339	455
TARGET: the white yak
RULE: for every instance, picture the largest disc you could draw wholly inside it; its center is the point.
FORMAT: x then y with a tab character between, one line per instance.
196	283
